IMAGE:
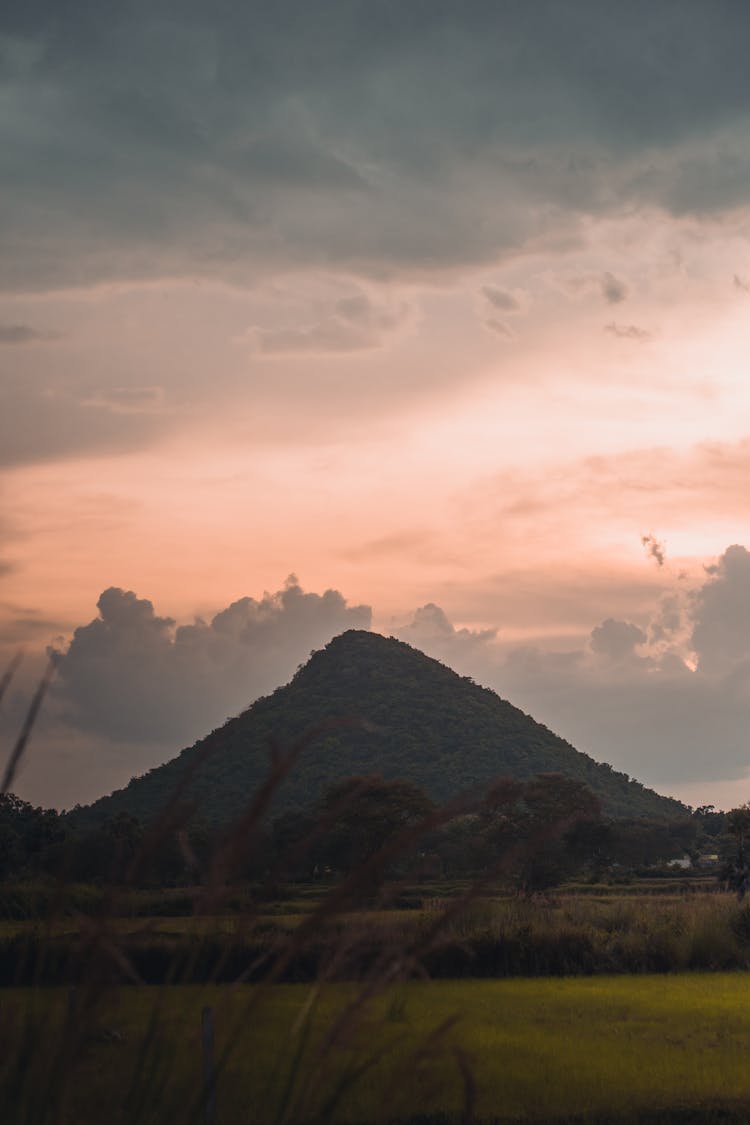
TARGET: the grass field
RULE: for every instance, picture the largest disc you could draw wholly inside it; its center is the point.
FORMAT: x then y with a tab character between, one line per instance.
558	1040
596	1048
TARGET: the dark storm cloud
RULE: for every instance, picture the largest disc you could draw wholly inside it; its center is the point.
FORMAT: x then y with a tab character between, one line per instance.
131	675
170	138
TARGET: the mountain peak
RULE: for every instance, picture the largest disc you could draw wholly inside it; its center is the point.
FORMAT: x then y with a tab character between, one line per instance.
420	721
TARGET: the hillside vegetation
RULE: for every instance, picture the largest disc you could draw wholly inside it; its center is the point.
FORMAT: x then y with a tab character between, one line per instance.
404	715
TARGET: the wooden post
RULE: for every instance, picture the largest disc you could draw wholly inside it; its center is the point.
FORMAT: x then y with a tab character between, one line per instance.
209	1074
72	1006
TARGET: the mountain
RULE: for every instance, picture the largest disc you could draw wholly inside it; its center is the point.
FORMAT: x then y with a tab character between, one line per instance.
415	719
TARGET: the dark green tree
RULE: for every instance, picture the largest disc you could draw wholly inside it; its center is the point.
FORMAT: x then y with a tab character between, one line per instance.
364	813
735	872
553	810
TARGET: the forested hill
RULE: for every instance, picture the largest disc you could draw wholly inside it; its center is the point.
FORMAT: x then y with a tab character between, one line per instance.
417	719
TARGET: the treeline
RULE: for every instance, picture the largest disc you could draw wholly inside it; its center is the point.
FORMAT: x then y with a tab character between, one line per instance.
528	834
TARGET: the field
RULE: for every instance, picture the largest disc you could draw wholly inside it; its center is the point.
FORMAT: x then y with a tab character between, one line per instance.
421	1005
595	1048
671	928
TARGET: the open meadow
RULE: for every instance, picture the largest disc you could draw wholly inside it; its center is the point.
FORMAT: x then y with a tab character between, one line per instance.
606	1010
608	1048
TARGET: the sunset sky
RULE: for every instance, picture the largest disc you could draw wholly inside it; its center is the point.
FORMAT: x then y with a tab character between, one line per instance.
431	317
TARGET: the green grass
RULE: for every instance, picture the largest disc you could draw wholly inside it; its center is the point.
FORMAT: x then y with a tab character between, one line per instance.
538	1049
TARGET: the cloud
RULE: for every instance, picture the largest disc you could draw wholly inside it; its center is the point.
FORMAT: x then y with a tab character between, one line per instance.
406	543
24	334
46	419
21	624
501	299
632	697
500	328
654	549
127	400
668	621
741	284
133	676
430	631
687	488
721	614
354	323
667	699
613	290
255	138
616	640
628	332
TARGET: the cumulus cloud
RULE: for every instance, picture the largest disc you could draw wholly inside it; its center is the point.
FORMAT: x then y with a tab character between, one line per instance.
131	675
613	289
721	614
616	639
667	700
432	632
258	136
633	696
669	620
354	323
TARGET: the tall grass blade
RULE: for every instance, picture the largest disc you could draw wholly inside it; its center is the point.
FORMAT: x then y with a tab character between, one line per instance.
9	673
28	725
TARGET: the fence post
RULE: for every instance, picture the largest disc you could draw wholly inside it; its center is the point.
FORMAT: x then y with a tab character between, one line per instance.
72	1006
209	1073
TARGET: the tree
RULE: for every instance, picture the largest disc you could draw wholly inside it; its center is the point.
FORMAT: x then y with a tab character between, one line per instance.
31	839
533	833
735	873
554	809
364	813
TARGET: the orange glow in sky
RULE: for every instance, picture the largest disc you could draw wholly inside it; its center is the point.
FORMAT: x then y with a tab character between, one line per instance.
376	330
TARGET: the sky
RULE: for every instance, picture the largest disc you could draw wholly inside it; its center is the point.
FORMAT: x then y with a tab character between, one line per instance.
426	317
